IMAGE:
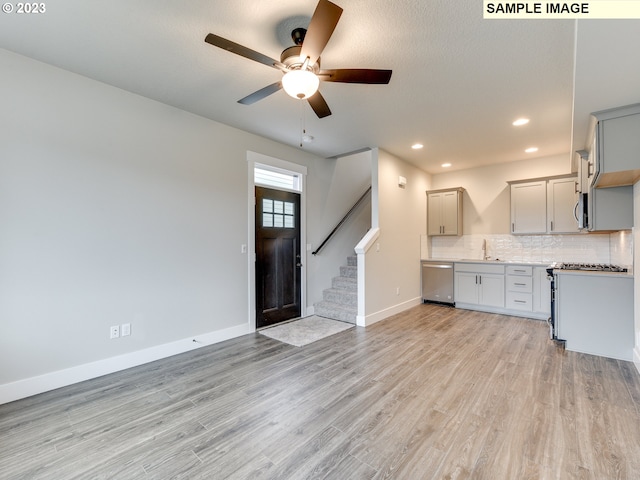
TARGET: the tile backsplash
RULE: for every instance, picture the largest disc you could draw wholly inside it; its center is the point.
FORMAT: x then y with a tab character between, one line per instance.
615	248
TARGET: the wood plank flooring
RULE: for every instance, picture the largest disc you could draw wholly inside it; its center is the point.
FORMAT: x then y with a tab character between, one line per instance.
432	393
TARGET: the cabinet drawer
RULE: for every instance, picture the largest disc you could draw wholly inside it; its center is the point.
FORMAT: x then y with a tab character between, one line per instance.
519	301
479	268
516	283
519	270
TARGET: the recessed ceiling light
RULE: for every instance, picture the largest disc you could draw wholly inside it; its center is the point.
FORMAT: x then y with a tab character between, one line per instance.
445	165
417	146
519	122
531	149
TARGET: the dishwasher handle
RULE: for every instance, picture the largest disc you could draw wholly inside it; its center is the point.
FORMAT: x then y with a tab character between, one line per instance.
437	265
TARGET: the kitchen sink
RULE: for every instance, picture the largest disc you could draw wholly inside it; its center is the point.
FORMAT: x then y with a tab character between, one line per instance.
480	260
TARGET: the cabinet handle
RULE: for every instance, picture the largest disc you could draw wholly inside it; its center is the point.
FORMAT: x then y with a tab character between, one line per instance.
517	270
589	169
513	227
480	276
551	226
576	189
520	284
519	301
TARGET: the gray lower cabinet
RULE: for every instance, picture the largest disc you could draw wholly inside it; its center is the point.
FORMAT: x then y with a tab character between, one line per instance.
595	313
521	290
479	285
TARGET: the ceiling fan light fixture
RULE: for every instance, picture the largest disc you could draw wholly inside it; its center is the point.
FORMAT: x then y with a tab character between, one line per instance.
300	83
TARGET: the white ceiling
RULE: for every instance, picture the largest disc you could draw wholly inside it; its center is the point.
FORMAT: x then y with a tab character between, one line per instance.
458	80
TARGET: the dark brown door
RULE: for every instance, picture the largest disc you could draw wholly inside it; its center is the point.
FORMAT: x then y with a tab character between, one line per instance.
277	256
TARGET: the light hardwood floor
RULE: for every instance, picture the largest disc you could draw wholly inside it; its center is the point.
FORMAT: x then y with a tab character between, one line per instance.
432	393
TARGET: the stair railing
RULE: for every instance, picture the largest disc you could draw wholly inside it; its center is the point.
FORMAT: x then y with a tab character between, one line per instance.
341	222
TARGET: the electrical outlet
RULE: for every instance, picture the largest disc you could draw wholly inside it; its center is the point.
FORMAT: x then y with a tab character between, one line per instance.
114	332
397	290
125	329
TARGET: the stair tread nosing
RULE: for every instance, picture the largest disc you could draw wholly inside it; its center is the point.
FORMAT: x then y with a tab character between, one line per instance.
336	312
345	283
349	271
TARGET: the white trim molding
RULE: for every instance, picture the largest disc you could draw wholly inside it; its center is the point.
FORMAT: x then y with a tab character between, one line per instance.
361	251
27	387
254	158
364	321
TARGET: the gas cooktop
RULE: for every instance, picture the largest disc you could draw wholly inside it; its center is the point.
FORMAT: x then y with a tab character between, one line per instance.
592	267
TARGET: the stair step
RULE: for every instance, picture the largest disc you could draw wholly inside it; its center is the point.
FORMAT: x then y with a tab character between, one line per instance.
341	297
345	283
352	261
336	312
349	271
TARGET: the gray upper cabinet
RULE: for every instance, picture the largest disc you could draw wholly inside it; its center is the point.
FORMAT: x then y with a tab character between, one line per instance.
529	207
562	196
617	147
544	205
444	211
608	208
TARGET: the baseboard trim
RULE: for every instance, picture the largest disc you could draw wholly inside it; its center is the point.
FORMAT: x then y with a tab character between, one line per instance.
28	387
502	311
366	320
636	358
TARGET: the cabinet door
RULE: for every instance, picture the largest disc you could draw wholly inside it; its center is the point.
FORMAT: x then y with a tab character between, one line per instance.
466	288
529	207
619	144
541	291
434	213
562	199
450	213
491	290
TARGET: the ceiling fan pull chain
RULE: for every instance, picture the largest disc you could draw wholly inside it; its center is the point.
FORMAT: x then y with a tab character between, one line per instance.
302	124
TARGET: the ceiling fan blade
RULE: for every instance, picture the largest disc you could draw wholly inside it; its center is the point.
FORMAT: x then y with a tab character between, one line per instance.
356	75
241	50
260	94
319	105
321	27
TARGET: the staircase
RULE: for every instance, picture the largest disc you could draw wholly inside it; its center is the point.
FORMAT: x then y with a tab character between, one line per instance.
340	302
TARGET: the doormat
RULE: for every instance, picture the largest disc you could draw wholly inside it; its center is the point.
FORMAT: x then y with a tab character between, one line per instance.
306	330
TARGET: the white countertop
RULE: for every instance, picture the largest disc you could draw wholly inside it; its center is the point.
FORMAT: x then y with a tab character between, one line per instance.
533	264
485	262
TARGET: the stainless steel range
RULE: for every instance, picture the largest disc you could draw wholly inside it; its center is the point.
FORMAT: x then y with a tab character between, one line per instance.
591	267
587	267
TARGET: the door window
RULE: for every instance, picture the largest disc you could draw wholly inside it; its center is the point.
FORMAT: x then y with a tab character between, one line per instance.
278	214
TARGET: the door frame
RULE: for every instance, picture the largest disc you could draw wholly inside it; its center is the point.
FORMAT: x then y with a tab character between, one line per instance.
254	159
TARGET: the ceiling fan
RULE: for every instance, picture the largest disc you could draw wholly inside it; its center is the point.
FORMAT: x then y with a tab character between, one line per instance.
301	63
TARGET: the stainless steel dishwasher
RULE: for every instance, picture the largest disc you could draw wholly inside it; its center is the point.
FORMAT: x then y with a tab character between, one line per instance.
437	282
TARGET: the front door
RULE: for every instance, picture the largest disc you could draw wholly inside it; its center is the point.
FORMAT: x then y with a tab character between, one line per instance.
277	256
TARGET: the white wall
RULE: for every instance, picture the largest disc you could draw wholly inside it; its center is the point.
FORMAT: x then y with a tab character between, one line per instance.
636	265
485	203
117	209
401	217
348	178
486	216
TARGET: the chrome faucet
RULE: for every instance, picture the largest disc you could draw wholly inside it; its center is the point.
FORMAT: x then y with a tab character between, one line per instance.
484	250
